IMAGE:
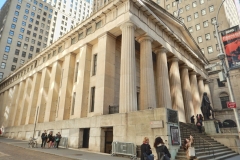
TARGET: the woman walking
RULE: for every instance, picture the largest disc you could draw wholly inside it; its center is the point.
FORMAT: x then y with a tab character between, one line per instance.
161	149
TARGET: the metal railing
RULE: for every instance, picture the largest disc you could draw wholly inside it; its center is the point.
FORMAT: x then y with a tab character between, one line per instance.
124	148
197	140
113	109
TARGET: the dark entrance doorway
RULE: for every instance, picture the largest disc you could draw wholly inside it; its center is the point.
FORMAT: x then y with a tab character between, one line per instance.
86	133
108	140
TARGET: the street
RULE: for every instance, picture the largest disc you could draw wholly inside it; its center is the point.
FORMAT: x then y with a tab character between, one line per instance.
11	149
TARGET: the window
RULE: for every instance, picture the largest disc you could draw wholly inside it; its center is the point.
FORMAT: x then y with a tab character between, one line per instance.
19	44
28	32
31	48
17	52
40	37
18	7
28	5
22	61
94	71
201	1
29	26
27	39
19	1
207	36
180	10
9	40
38	16
35	2
224	98
205	24
16	13
168	6
25	17
29	56
15	60
92	98
37	50
23	54
194	4
210	49
34	35
39	11
13	26
202	50
7	49
13	67
15	19
203	12
32	14
73	102
196	15
20	36
174	4
220	84
26	11
31	20
98	24
175	13
3	65
187	7
41	30
198	27
5	57
33	41
25	46
11	33
217	48
199	39
40	5
34	8
213	20
211	8
37	22
76	71
23	23
35	28
1	75
189	18
46	8
190	29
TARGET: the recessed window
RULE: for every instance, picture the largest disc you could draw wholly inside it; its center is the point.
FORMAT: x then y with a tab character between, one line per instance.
7	49
207	36
199	39
17	52
29	26
189	18
224	98
168	6
190	29
19	44
213	20
23	23
174	4
205	24
1	75
28	5
198	27
13	67
19	1
31	48
29	56
175	13
94	71
25	46
33	41
9	40
15	19
73	102
26	11
32	14
15	60
31	20
27	39
210	49
34	35
187	7
98	24
3	65
13	26
22	61
203	12
196	15
46	8
92	99
40	5
25	17
16	13
194	4
23	54
34	8
180	10
18	7
5	57
35	2
20	36
28	32
201	1
211	8
217	47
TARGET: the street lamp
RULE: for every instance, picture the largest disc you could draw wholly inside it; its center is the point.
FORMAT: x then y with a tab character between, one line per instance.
221	56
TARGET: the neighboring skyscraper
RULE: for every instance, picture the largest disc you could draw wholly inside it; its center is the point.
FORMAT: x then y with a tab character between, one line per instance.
237	3
27	26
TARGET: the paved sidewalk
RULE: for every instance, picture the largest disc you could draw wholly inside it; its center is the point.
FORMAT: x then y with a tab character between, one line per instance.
69	153
234	158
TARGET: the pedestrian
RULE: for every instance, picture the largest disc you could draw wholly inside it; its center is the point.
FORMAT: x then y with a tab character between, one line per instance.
197	116
186	146
146	150
44	139
58	138
192	119
201	117
161	149
53	142
199	125
50	139
216	126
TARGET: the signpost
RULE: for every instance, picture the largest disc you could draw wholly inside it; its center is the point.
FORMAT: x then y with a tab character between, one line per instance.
231	105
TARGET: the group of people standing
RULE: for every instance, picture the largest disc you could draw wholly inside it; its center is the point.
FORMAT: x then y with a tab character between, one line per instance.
199	121
53	141
161	149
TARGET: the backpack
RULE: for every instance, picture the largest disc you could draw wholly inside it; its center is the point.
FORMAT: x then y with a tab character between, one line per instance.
161	154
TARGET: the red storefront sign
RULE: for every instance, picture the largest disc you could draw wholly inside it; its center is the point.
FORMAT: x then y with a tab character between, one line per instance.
231	104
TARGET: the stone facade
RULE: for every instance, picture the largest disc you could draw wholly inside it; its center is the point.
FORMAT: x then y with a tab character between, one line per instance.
140	59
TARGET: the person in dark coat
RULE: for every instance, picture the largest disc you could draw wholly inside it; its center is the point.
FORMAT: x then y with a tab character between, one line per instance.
146	148
57	139
192	119
199	125
50	139
44	139
161	149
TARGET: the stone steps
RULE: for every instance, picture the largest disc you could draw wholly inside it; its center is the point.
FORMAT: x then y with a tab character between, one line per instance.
204	151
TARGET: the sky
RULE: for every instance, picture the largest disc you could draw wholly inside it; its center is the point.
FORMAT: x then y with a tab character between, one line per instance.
1	3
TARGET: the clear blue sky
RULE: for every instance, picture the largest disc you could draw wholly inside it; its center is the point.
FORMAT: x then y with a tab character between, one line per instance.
2	2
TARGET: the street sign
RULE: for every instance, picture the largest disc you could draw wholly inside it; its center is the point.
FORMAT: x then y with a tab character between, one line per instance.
231	104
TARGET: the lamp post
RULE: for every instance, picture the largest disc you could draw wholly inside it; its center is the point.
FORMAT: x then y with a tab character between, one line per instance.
222	56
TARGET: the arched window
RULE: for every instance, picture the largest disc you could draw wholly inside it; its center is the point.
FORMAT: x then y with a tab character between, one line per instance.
229	123
224	98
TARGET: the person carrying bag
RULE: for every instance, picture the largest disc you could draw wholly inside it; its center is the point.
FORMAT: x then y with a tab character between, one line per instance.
161	149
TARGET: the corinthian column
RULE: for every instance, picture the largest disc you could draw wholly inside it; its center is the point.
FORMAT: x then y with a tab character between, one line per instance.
147	86
128	93
176	89
163	87
195	93
187	95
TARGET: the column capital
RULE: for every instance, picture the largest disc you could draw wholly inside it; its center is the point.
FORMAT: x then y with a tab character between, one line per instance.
174	59
160	50
143	38
200	78
207	81
128	24
193	73
184	66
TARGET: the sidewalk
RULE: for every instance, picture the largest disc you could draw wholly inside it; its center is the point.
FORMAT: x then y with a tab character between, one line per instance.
69	153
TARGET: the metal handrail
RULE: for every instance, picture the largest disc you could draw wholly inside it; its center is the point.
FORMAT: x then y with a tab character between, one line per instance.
199	142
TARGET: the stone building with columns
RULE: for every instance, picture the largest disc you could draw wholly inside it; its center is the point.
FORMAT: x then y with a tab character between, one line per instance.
131	56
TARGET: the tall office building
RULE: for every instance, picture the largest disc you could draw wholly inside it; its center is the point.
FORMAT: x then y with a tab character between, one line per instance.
28	26
237	3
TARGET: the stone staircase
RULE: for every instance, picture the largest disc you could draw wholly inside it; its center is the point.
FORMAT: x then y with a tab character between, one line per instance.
206	148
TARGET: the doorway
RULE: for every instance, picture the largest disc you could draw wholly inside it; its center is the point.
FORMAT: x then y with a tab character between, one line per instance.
108	140
86	134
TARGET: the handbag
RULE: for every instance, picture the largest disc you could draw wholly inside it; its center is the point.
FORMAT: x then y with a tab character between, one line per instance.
148	157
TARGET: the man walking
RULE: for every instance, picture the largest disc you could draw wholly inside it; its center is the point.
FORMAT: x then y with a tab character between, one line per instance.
44	139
